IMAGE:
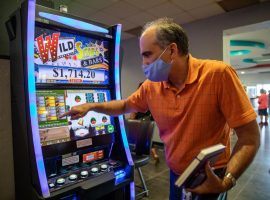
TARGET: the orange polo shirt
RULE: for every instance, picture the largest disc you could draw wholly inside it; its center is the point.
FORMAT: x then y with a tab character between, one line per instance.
199	115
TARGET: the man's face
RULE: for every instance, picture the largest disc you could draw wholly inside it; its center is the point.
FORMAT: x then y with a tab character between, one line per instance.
149	49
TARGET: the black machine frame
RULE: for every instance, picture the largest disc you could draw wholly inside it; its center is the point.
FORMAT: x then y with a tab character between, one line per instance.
27	182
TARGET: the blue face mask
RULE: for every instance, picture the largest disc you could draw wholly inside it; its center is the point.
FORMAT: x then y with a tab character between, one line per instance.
157	70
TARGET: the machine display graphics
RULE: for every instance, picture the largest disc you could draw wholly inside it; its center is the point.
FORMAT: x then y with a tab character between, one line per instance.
54	129
62	57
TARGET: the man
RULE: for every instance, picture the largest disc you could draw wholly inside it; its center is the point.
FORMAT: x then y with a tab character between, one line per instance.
269	102
263	105
194	103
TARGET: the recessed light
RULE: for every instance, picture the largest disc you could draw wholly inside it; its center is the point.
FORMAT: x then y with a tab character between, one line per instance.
247	43
249	60
239	52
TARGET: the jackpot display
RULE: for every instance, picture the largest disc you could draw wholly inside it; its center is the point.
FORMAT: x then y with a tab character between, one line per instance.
59	61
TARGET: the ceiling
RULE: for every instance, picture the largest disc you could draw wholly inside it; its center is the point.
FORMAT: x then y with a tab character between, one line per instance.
133	14
254	56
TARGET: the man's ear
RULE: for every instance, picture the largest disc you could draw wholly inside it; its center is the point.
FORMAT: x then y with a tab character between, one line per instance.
174	49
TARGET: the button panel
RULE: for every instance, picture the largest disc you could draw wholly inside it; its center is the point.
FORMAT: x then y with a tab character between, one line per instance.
81	174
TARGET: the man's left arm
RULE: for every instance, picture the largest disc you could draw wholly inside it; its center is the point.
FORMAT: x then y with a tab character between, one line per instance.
243	153
241	116
244	150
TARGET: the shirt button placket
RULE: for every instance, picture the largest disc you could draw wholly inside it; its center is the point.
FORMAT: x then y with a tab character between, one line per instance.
177	102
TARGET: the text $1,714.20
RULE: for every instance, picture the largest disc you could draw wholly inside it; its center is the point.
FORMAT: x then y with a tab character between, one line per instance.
73	73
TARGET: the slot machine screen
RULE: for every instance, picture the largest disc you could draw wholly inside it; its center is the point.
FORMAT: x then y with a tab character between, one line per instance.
62	57
53	103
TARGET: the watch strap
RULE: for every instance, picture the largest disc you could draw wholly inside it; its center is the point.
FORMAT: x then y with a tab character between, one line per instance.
231	178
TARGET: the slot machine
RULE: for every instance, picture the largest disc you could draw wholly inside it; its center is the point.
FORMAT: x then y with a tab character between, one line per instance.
59	61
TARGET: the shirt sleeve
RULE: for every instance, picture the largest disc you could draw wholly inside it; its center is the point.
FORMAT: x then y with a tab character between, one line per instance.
233	100
138	100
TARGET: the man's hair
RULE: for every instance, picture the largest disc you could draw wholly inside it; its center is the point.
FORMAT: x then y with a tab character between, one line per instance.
168	32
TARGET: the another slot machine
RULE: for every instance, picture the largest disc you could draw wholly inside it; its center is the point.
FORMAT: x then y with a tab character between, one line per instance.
59	61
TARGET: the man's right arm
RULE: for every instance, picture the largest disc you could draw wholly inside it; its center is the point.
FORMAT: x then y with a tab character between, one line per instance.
112	108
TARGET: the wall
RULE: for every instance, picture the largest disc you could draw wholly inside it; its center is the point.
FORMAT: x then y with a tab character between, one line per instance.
205	41
131	71
6	152
253	79
6	8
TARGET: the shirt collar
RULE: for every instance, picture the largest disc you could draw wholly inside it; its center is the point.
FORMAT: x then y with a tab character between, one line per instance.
193	70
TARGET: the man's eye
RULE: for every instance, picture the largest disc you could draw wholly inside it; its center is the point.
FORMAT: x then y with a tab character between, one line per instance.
148	55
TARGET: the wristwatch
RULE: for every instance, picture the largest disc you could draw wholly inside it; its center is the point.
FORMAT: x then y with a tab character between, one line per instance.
231	178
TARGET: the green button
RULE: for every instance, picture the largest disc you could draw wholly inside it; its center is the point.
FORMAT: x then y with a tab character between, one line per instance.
110	128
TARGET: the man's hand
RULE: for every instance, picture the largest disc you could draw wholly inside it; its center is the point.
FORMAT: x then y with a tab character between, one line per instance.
77	112
212	184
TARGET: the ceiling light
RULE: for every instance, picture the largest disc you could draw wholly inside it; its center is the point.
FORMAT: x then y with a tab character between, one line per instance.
249	60
239	52
73	22
247	43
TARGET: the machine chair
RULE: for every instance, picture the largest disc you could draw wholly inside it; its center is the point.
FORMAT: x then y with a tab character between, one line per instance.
140	133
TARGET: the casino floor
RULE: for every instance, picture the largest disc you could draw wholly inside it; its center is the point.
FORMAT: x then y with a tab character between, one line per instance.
252	185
